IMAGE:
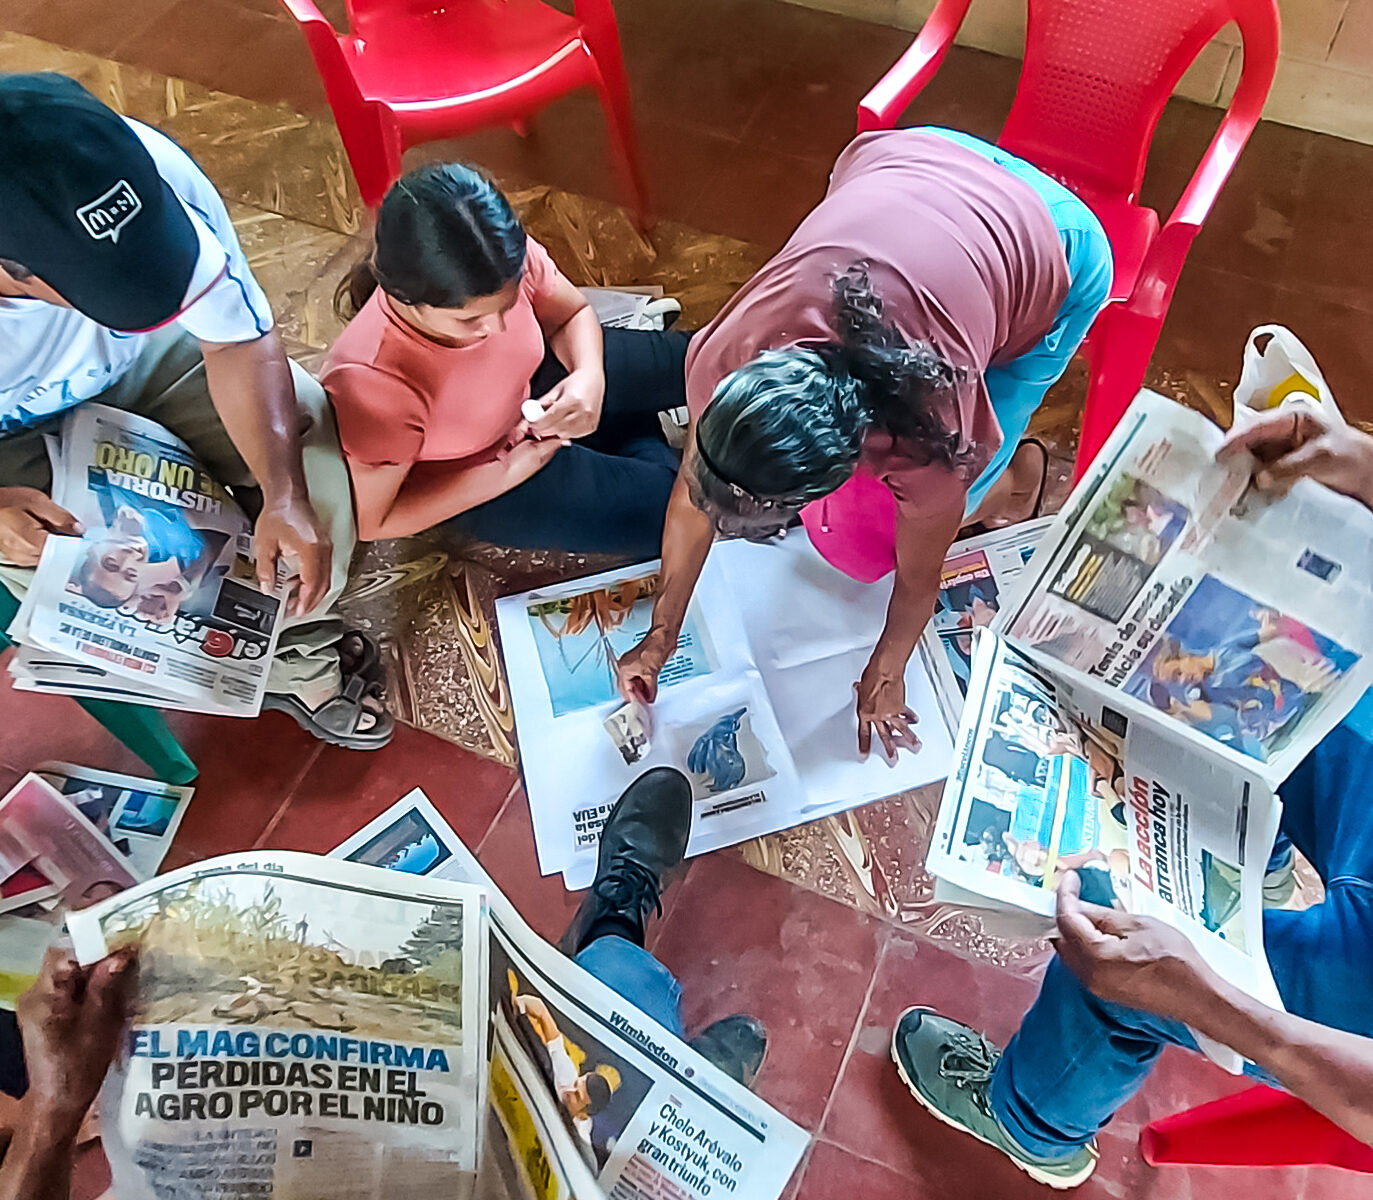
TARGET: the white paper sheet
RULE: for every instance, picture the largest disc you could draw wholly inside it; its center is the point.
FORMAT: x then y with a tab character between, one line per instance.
778	633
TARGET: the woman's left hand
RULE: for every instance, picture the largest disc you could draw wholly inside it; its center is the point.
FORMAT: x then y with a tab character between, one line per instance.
572	408
882	708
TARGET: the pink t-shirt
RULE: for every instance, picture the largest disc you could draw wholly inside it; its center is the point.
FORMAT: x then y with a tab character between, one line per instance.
963	255
401	398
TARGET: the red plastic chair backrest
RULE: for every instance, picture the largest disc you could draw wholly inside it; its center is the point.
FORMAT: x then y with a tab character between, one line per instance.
1097	74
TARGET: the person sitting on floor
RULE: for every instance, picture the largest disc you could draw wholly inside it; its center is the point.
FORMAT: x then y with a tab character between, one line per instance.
876	377
1123	987
643	840
476	390
122	281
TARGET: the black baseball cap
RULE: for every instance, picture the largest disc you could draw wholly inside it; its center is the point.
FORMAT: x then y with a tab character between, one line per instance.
83	207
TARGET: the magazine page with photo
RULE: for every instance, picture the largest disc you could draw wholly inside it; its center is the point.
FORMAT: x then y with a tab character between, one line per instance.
157	601
575	1068
1169	587
306	1027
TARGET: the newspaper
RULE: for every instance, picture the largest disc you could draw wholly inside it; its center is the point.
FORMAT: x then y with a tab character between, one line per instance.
1175	646
306	1028
974	582
1173	592
756	707
157	602
54	857
673	1127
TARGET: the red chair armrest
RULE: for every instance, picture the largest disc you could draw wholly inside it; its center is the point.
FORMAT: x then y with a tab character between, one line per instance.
1162	265
890	96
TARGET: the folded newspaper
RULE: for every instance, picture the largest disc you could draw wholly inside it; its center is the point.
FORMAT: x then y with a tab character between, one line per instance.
360	1026
1174	648
157	601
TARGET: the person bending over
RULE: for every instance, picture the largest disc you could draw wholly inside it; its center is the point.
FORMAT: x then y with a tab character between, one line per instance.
122	281
461	321
877	376
1122	987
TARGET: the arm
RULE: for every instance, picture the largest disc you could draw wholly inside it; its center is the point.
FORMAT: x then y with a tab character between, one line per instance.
1298	441
572	407
539	1017
688	534
922	541
1148	965
253	393
400	500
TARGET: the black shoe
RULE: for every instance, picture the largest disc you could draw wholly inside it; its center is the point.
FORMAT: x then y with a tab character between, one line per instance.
735	1045
644	837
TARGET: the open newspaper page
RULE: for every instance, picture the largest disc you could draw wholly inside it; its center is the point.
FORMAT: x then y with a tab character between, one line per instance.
1172	587
974	583
756	707
157	602
1157	825
672	1126
307	1029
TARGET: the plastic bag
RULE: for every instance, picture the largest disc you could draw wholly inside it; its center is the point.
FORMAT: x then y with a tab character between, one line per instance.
1280	372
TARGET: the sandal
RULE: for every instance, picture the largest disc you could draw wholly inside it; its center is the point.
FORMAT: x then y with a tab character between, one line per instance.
337	720
1036	510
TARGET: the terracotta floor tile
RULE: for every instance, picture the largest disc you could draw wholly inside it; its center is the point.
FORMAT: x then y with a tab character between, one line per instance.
730	201
507	853
1325	264
741	941
831	1173
343	790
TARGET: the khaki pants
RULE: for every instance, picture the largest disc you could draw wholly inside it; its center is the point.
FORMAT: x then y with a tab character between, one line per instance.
167	384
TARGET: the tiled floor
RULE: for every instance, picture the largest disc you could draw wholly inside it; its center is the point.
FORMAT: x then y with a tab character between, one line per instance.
742	106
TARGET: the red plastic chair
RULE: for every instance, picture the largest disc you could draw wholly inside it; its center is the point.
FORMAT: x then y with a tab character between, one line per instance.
1096	77
1261	1127
412	71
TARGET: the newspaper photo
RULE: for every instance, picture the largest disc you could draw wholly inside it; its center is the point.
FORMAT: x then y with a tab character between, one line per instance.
973	585
307	1028
1165	828
581	1083
756	706
157	601
1170	588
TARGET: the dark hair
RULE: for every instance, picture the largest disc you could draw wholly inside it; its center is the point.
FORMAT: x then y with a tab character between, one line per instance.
598	1093
14	270
445	235
788	427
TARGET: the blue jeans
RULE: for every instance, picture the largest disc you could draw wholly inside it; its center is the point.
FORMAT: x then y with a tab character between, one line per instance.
1076	1059
1017	388
636	975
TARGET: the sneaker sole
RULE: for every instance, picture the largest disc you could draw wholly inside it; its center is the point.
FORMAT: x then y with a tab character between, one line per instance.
1061	1183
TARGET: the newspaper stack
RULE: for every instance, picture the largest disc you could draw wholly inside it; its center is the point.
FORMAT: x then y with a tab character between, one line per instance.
157	602
362	1026
1175	647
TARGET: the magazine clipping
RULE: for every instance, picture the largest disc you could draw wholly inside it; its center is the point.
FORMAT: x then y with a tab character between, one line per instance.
581	1084
306	1028
157	601
755	707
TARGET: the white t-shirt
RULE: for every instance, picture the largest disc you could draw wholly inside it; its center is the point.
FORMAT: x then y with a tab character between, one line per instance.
565	1077
52	358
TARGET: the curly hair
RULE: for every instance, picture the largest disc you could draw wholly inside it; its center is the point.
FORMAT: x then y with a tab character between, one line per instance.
788	427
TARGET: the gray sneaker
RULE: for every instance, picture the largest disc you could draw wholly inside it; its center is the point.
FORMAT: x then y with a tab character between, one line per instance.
1281	881
948	1068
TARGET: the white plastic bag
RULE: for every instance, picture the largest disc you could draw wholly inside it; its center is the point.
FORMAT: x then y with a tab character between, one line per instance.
1281	372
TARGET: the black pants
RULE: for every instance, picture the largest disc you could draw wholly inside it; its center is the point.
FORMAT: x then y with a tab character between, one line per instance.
606	493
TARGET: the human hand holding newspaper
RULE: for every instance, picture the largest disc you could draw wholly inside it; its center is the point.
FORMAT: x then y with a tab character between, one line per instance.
27	516
1301	442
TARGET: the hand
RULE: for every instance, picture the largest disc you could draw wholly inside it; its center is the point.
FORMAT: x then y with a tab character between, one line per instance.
1298	441
27	516
1138	961
572	408
638	668
291	527
72	1022
882	708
